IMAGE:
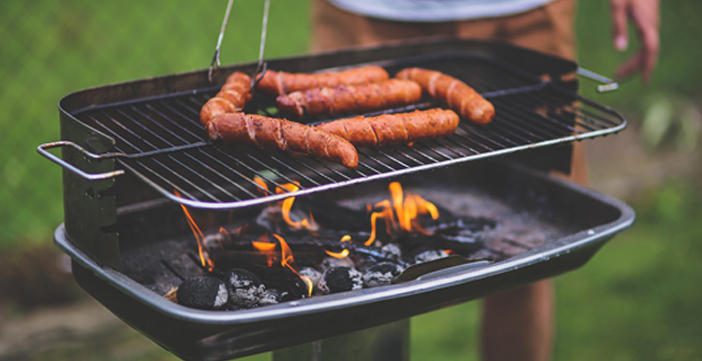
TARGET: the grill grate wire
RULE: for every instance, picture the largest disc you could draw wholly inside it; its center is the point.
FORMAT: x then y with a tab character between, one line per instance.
166	146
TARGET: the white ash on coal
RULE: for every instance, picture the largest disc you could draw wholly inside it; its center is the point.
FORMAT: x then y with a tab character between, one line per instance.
340	279
245	288
381	274
206	293
422	255
331	262
269	297
311	273
392	250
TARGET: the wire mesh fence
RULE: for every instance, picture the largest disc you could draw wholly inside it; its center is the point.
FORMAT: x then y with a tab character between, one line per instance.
50	49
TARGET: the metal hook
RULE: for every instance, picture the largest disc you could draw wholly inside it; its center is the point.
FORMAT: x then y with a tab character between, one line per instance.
261	67
215	58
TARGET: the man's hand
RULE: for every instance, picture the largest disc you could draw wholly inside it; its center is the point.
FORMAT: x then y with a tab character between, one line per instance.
644	13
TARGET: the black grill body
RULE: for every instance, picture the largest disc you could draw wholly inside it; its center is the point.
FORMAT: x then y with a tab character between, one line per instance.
149	130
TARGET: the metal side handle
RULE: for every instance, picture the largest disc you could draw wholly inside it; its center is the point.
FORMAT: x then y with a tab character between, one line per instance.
608	84
42	149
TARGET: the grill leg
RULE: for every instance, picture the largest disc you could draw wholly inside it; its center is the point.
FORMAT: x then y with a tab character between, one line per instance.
381	343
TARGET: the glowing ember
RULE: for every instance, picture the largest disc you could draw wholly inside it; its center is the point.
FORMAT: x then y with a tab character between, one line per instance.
288	261
345	238
204	257
340	255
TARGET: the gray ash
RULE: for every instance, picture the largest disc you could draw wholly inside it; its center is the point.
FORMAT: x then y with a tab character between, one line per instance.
245	288
381	274
331	262
422	255
269	297
206	293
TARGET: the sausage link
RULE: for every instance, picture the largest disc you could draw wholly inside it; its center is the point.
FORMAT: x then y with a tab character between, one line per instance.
345	99
453	93
265	132
279	83
399	128
231	98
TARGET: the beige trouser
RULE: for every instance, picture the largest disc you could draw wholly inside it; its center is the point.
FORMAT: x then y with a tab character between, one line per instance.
548	29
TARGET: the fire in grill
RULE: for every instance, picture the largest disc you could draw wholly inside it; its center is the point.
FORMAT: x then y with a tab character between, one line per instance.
135	148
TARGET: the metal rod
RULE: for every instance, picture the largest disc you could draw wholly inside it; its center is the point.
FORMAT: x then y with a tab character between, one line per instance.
215	58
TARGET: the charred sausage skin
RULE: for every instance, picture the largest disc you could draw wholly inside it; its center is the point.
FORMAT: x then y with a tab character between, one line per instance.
346	99
279	82
390	129
273	133
233	96
453	93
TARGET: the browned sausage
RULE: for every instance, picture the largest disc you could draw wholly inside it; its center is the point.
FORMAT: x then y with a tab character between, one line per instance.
231	98
394	128
345	99
279	83
273	133
453	93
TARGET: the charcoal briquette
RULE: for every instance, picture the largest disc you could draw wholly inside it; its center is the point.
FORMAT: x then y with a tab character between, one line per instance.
381	274
426	255
340	279
311	273
331	262
245	288
207	293
269	297
392	250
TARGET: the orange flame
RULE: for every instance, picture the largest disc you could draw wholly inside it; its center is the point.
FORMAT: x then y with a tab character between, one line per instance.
262	186
305	223
287	261
386	214
264	245
199	237
340	255
345	238
406	207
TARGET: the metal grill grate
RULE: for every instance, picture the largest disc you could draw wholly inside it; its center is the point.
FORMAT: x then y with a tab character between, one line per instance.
165	145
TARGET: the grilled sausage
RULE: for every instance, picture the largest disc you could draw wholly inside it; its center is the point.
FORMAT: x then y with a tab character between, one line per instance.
345	99
279	83
273	133
231	98
453	93
394	128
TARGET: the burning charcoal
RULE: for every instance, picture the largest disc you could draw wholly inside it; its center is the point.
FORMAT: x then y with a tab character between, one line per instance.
381	274
207	293
392	250
421	255
331	215
311	273
269	297
245	288
331	262
340	279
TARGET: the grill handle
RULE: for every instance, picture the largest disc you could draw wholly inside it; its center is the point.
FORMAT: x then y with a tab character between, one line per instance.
43	150
608	84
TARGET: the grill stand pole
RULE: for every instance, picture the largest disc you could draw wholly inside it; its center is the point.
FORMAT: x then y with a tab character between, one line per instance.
380	343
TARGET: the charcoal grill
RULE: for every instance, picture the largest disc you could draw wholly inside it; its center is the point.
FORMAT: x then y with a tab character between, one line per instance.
127	147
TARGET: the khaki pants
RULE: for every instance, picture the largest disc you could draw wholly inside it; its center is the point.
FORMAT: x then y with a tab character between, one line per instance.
547	29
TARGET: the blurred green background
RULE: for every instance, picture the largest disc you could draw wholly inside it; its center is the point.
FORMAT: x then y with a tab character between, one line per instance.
638	299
